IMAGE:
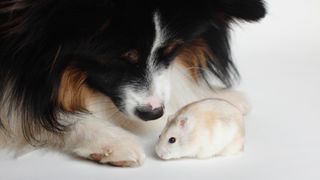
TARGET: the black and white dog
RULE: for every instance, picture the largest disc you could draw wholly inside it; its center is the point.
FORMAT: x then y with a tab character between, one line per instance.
63	62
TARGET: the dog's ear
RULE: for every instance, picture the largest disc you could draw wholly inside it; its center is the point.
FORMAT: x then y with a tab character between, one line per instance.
210	20
248	10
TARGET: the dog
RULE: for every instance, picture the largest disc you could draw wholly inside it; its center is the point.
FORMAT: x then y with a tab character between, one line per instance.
72	72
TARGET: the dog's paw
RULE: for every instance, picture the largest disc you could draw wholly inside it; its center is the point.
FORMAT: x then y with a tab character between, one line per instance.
104	143
121	153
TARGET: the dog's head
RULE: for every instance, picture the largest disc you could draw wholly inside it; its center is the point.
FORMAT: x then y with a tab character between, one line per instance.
122	48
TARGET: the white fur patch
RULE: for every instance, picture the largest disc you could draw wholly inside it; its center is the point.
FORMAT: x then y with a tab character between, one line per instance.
158	91
161	37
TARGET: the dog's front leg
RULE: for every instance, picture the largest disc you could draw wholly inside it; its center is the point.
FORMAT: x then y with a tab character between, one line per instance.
101	141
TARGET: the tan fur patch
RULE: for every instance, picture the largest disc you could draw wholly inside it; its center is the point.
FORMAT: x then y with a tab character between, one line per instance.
194	57
210	120
73	92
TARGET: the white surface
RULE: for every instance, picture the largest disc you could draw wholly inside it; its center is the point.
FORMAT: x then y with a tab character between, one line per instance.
279	60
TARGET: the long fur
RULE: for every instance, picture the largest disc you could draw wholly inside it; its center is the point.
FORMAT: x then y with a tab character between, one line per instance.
57	54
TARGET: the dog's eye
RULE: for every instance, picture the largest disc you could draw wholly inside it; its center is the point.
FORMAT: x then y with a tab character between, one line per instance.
131	55
172	46
172	140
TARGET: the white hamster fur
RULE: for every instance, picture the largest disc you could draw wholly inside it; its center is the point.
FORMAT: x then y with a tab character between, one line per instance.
203	129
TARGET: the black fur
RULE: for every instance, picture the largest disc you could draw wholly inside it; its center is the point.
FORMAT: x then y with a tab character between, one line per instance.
40	38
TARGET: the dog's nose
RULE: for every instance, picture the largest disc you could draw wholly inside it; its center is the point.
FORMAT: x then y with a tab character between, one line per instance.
148	113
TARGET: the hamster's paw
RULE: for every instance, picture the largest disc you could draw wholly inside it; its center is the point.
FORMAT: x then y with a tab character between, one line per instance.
121	153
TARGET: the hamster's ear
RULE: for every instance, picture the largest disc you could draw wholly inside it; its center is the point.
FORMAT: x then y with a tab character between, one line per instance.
182	123
185	123
248	10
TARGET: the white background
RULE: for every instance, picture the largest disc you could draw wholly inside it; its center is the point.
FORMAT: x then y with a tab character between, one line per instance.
279	60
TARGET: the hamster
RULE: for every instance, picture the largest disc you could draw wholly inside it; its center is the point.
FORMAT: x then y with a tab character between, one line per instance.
203	129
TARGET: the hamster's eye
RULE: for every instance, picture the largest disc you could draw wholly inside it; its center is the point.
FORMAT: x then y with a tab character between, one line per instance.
172	140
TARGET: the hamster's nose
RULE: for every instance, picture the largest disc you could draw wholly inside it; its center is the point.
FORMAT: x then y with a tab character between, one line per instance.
148	113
